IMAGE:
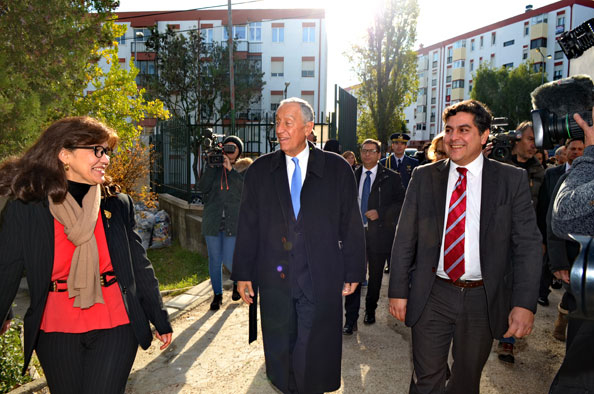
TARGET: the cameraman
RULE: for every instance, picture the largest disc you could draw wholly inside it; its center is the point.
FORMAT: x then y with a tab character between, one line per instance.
573	212
221	187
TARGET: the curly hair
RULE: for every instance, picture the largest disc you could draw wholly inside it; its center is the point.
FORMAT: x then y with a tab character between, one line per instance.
39	173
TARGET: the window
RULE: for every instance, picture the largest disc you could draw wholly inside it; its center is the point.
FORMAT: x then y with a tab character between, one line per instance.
239	33
560	28
448	79
469	87
256	31
472	45
459	64
421	108
206	34
538	43
558	71
448	92
121	39
422	91
508	65
460	44
307	67
432	118
458	83
142	34
526	29
508	43
450	53
524	53
309	32
434	82
278	32
471	65
277	67
481	42
493	38
276	96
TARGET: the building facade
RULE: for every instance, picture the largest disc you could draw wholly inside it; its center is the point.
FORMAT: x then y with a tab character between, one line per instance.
288	45
446	69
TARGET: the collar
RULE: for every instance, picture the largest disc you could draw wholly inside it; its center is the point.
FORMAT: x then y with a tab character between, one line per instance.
373	170
315	162
475	167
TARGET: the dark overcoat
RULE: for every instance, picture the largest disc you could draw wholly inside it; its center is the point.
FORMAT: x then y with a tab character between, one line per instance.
405	170
335	248
386	196
27	243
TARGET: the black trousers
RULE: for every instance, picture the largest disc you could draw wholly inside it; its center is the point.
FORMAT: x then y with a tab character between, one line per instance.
303	321
352	303
97	361
457	315
546	278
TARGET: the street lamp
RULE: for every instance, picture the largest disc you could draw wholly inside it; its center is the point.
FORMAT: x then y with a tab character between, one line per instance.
286	87
542	64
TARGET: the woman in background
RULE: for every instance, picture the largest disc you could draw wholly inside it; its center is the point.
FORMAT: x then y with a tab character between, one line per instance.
436	151
93	291
349	156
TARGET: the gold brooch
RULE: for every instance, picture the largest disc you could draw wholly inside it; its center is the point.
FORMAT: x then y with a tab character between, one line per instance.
107	214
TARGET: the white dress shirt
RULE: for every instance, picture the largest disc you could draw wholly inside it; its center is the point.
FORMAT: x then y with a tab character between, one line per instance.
362	181
303	158
474	182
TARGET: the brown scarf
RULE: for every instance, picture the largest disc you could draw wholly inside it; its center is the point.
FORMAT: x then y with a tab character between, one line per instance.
79	225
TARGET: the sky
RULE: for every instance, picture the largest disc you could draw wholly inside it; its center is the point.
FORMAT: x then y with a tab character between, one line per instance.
347	20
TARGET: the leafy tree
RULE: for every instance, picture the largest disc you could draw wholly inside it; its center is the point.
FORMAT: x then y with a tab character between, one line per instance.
44	49
506	91
192	77
386	67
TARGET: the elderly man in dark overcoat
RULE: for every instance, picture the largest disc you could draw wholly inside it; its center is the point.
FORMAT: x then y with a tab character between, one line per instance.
300	247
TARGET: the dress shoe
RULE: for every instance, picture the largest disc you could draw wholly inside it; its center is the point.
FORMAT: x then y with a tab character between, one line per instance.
506	352
216	303
235	296
349	328
544	301
369	318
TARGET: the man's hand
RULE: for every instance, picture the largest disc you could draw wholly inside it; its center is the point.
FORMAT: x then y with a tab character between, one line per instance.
398	308
165	338
372	214
520	322
562	275
349	288
5	327
245	290
588	130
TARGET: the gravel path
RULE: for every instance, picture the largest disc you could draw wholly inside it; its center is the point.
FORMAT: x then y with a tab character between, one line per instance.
210	354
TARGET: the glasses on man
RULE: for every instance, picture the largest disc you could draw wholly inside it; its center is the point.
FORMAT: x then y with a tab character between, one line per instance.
368	151
98	150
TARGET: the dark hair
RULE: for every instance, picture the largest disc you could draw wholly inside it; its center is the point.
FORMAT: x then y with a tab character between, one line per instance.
332	146
482	114
570	140
39	173
372	141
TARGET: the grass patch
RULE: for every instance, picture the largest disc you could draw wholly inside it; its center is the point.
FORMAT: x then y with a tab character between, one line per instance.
176	267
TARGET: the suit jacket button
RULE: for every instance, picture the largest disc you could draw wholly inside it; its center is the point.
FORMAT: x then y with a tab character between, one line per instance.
282	275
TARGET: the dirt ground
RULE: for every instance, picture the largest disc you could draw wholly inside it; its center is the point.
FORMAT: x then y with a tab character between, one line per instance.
210	354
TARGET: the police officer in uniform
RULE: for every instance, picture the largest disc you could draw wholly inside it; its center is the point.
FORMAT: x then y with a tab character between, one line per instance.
398	161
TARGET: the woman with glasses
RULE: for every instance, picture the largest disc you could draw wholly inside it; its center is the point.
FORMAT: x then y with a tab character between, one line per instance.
93	291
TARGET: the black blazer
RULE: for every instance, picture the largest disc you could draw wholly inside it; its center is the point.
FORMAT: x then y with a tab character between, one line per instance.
545	193
27	243
386	196
510	249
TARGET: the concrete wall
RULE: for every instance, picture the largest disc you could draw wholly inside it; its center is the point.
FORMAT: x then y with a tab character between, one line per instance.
186	222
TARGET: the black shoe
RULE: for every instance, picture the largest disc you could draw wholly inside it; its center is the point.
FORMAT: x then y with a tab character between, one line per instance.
506	352
387	269
544	301
235	296
557	284
369	318
349	328
216	303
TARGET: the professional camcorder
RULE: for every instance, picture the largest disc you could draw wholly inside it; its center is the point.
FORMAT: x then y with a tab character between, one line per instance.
503	141
575	42
214	148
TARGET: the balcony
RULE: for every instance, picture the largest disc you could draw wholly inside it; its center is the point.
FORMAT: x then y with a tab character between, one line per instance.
139	46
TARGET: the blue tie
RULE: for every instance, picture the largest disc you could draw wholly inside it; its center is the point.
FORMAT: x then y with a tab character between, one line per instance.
296	187
365	195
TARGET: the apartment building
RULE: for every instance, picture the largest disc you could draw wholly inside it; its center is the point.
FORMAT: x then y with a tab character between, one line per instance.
288	45
446	69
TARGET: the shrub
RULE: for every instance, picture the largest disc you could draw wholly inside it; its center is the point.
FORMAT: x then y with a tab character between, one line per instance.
11	358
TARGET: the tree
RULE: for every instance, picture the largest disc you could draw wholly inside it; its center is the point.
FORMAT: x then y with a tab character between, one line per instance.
386	67
44	49
506	91
192	77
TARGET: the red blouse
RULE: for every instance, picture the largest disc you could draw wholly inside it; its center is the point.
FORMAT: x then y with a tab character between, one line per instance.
60	315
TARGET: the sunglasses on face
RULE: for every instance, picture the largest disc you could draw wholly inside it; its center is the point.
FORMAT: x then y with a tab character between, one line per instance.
98	150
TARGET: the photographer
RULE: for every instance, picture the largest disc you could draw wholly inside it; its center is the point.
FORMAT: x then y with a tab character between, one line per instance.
573	212
221	186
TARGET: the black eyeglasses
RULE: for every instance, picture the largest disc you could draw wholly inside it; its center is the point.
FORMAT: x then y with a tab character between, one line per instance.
98	150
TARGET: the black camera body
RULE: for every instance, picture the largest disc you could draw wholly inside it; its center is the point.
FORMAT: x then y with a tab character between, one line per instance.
214	149
503	141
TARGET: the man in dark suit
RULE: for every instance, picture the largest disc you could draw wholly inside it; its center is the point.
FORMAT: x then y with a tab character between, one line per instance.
398	160
466	257
300	244
380	196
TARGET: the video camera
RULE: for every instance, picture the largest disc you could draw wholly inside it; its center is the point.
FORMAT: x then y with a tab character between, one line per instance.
214	148
503	141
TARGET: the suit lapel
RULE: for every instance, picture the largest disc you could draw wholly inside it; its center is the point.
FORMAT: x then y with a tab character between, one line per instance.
278	167
488	197
440	188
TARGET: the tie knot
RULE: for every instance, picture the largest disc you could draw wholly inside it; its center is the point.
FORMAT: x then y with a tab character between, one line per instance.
368	173
462	170
295	160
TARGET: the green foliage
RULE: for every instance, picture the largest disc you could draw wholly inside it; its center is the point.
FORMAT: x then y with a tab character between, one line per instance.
192	75
44	51
11	358
386	67
177	267
506	91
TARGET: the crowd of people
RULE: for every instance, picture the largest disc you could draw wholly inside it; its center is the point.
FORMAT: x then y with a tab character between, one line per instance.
471	245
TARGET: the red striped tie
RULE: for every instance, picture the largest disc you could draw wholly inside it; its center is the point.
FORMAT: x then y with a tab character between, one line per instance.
453	248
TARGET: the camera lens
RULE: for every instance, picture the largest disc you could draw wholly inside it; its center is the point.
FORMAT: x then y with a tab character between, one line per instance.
550	129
